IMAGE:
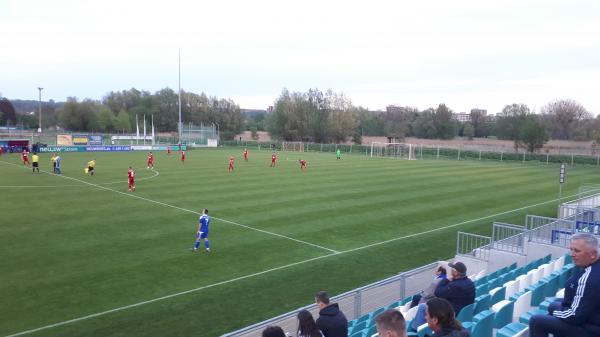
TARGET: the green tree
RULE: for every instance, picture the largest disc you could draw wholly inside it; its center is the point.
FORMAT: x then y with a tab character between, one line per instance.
565	117
445	126
468	131
533	133
105	119
509	125
122	122
424	126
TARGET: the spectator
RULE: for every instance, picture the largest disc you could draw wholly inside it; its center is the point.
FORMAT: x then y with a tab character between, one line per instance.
442	321
390	323
578	314
331	321
307	326
428	293
457	289
273	331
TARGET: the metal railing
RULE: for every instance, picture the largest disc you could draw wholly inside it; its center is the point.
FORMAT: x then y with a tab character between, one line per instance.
508	237
566	209
473	245
354	303
550	231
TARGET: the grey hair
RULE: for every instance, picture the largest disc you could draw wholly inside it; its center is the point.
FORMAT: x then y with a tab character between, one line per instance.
589	239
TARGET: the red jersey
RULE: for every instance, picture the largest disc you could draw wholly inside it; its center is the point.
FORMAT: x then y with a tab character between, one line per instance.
246	154
24	154
150	158
231	159
273	158
182	155
168	150
130	175
302	162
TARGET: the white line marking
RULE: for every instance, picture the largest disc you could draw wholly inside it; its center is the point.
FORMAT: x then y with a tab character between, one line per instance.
187	210
281	267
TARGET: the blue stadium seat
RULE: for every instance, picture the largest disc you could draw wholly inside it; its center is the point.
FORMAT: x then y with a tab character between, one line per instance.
482	303
511	329
498	295
503	313
484	326
527	316
466	313
482	290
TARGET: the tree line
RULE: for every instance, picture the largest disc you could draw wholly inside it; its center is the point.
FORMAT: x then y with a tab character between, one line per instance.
317	116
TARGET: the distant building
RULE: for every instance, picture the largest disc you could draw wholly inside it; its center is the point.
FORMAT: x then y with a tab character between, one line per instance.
483	112
462	117
394	108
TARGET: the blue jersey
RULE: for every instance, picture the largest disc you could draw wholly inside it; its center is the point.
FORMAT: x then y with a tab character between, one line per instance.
204	221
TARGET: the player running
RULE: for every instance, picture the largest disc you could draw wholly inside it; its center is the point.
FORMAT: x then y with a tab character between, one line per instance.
130	179
202	233
25	157
183	157
90	166
246	154
273	159
150	162
35	159
231	163
302	164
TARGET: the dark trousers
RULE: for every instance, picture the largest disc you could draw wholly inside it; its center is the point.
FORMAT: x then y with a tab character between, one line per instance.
543	325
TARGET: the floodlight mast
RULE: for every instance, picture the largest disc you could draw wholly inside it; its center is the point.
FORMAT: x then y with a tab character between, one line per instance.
179	124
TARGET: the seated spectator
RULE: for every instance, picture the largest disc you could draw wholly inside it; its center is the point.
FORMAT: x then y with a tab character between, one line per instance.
390	323
273	331
331	321
307	326
578	314
428	293
457	289
441	319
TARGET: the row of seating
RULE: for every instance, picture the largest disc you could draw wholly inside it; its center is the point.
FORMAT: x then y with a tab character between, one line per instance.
505	300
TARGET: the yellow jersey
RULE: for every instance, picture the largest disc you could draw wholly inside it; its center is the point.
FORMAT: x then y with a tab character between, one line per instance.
91	163
35	158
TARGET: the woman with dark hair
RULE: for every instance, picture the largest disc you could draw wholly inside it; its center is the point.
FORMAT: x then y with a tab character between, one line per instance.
273	331
441	320
307	326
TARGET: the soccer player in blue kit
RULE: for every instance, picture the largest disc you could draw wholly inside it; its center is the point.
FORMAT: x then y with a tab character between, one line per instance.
202	233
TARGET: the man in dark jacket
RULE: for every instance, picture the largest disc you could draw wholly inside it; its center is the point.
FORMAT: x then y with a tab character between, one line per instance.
331	321
459	290
578	314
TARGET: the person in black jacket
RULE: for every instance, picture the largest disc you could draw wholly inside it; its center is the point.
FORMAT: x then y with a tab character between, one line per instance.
457	289
578	314
332	322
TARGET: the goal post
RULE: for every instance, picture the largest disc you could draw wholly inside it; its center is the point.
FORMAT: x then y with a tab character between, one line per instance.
393	150
292	146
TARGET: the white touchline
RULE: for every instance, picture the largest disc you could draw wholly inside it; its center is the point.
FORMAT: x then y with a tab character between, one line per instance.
277	268
184	209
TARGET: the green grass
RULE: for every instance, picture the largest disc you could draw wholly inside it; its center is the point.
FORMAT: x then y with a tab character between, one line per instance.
68	249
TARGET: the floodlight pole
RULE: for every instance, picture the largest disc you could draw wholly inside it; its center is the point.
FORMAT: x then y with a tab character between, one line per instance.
179	125
40	109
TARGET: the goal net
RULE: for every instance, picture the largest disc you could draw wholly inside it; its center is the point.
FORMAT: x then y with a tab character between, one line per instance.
393	150
292	146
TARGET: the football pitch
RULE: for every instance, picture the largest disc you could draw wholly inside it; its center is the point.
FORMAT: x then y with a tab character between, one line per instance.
81	256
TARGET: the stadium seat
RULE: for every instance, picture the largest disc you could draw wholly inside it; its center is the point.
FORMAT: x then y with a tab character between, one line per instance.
527	316
466	313
423	330
508	276
568	258
558	264
482	290
482	303
410	314
358	327
538	292
372	331
497	294
524	281
357	334
552	286
503	312
512	287
513	330
484	326
522	305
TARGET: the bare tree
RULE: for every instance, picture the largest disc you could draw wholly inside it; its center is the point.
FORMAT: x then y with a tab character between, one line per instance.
564	117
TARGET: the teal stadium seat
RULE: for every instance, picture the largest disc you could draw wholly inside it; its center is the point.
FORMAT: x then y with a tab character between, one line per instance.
484	325
482	303
511	330
503	313
498	295
466	313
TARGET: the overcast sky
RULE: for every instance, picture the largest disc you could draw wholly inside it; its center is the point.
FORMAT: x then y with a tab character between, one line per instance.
463	53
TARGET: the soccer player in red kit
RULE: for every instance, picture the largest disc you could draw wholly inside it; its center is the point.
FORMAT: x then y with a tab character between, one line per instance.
302	164
1	150
150	160
25	157
168	151
183	157
231	161
246	154
130	179
273	159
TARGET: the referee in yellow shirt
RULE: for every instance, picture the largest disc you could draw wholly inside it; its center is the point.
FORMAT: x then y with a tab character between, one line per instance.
35	160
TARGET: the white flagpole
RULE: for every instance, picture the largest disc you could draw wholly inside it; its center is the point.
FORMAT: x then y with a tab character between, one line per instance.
137	130
153	142
144	129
